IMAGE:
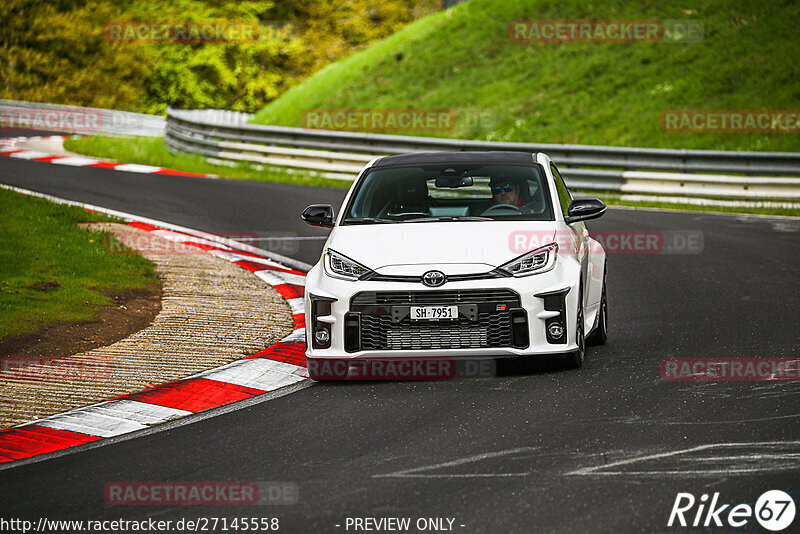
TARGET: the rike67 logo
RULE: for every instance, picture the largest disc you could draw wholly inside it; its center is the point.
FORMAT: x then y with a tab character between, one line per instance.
774	510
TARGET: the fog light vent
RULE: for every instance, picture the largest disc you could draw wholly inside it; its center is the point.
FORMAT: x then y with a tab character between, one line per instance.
555	331
519	328
352	332
321	307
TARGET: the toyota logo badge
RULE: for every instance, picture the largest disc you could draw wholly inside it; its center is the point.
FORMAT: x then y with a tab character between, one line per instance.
433	278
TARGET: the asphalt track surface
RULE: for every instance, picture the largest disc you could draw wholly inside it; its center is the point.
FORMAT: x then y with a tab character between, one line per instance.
602	449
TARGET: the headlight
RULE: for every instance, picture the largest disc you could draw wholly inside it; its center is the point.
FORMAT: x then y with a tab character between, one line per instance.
538	261
339	266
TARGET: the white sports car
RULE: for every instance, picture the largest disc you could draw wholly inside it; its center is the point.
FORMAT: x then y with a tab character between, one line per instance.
476	255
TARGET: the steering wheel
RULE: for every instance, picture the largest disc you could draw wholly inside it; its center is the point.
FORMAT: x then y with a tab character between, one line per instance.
501	207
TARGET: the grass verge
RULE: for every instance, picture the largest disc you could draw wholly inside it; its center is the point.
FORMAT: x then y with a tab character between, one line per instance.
53	272
613	199
153	151
597	93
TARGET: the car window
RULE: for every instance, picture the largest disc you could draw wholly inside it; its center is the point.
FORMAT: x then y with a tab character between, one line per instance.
564	196
450	192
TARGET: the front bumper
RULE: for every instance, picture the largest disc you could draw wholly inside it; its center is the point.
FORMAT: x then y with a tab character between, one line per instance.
537	310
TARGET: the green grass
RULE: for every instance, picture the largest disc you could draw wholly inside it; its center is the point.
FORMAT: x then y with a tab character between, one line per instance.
153	151
613	199
586	93
52	271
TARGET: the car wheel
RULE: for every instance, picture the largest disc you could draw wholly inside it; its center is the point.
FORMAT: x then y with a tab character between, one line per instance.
575	359
599	335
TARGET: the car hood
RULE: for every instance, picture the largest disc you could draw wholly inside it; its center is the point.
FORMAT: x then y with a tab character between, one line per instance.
453	247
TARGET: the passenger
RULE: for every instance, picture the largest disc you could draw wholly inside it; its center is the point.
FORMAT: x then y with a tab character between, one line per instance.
411	197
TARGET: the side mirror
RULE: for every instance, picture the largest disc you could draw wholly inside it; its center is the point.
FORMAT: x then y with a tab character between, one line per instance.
319	215
583	209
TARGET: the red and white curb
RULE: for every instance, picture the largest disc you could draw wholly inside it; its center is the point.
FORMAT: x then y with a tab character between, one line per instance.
277	366
8	148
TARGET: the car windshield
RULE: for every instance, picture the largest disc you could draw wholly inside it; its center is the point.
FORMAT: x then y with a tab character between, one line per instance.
442	192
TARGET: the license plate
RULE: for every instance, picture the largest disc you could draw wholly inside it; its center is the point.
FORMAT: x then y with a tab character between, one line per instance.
433	313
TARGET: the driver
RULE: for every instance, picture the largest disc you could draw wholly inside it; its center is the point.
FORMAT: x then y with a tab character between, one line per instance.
511	192
505	191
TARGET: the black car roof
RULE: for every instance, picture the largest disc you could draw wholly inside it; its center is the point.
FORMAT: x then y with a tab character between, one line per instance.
456	157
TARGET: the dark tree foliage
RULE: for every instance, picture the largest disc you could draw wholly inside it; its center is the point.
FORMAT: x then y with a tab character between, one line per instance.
59	51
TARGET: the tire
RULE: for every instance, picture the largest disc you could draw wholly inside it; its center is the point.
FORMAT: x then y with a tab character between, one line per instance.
575	359
599	335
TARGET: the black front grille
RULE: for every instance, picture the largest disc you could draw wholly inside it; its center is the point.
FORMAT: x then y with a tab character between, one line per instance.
433	298
484	321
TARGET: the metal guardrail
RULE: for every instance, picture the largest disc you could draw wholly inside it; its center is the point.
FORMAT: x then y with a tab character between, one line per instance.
627	170
20	115
227	136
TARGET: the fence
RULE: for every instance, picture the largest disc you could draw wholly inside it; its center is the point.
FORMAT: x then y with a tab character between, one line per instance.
696	173
15	114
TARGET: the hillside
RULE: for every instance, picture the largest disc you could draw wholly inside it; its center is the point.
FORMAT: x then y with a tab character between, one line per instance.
126	54
608	93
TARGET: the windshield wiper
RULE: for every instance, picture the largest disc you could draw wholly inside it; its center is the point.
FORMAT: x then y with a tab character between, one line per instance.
368	220
448	218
